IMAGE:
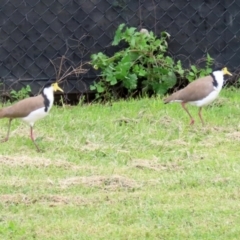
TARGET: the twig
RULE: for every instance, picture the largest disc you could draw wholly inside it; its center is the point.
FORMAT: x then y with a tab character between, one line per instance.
62	74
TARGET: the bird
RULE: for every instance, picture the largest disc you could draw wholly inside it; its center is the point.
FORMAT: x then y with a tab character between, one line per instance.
200	92
31	109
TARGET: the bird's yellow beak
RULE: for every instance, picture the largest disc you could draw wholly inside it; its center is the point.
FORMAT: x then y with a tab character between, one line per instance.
226	72
56	87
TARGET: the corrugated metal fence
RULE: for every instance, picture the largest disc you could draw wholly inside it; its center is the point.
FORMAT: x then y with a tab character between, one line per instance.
34	31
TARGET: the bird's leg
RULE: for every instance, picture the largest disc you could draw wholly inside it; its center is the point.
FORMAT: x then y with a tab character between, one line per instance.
200	115
192	120
8	132
31	135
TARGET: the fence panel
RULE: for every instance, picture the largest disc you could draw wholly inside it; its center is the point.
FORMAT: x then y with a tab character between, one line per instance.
34	31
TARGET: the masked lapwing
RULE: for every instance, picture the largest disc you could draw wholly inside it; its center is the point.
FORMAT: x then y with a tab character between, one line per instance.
200	92
31	109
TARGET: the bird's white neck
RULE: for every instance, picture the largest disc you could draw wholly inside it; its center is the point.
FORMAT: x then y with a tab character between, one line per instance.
220	79
48	98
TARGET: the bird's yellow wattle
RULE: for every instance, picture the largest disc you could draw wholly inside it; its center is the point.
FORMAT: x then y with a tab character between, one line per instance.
56	87
226	72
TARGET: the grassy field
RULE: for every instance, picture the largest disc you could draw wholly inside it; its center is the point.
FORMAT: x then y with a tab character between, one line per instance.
133	170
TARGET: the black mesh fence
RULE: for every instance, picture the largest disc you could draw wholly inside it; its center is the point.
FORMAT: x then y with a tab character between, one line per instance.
33	32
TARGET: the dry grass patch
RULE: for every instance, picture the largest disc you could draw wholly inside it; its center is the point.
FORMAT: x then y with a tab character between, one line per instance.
166	143
235	135
58	200
21	161
50	200
220	179
197	156
105	182
90	146
125	120
155	166
166	121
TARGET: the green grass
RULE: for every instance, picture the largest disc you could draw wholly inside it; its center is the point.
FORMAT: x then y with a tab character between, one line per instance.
133	170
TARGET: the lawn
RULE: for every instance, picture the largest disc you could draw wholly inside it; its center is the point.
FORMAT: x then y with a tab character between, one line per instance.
131	170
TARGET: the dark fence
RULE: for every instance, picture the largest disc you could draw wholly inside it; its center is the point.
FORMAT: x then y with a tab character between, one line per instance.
33	32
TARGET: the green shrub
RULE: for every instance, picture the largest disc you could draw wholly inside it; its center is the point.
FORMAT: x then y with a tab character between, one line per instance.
24	92
143	65
196	72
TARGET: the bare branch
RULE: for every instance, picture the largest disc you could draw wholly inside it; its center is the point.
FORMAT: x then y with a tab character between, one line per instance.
66	68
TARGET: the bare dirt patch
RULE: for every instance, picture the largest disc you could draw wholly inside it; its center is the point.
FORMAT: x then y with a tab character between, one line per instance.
105	182
155	166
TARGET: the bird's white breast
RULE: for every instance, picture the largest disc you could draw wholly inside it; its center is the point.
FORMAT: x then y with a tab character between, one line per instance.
207	100
35	115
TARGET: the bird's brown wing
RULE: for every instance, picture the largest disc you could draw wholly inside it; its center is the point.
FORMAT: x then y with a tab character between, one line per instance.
23	108
194	91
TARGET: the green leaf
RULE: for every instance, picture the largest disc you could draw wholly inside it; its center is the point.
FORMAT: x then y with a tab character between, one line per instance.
92	87
169	80
165	35
130	82
209	58
163	48
209	70
100	89
118	35
194	68
126	59
28	88
192	74
159	88
180	72
133	56
169	60
113	81
130	31
109	71
160	71
109	77
132	42
136	68
142	72
202	74
123	67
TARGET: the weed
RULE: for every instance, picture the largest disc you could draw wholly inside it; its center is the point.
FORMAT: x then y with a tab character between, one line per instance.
24	92
195	72
143	64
